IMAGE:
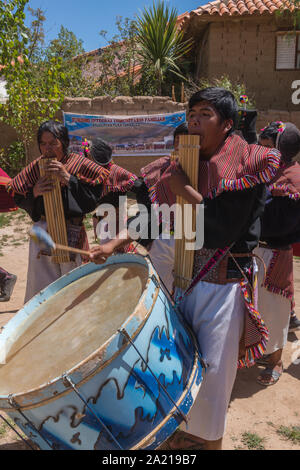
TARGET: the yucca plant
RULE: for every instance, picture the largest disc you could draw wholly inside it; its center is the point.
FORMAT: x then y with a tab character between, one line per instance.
161	44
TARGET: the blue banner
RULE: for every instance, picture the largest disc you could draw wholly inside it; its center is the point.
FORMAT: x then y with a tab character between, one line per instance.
150	134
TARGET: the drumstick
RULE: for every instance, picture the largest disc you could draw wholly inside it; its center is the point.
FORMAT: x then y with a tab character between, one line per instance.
42	238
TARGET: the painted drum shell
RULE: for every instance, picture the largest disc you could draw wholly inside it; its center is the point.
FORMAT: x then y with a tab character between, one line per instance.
117	386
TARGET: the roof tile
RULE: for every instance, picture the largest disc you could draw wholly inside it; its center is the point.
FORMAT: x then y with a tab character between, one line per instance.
238	7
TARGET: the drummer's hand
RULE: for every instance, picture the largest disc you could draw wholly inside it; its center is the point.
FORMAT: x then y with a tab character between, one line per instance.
42	186
57	169
99	254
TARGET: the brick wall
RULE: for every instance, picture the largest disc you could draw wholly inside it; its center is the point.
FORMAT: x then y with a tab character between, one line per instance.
244	49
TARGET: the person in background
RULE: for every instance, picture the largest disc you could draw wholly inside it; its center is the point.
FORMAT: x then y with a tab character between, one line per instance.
182	129
280	229
246	127
7	204
81	183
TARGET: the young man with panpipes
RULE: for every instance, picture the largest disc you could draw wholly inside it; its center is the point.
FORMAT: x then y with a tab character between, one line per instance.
7	204
81	183
280	229
218	304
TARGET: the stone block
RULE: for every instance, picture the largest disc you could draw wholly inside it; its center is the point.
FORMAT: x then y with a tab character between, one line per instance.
77	105
100	105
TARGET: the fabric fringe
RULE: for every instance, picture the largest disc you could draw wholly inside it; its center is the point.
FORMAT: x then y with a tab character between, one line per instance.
276	290
256	350
269	285
248	181
284	191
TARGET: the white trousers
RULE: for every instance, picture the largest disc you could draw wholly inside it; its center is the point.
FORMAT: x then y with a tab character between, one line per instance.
274	308
41	271
216	314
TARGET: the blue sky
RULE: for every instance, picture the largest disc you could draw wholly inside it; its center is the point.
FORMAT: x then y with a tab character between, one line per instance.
87	17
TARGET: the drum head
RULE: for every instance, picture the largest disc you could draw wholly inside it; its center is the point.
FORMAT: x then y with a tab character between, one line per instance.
71	325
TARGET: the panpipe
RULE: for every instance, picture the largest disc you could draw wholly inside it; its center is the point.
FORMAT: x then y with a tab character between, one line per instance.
188	157
55	217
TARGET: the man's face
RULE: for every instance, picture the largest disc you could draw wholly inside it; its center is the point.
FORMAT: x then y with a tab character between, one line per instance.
50	146
203	120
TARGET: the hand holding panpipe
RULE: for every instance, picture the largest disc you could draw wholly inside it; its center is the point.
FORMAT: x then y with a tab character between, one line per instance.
188	157
54	210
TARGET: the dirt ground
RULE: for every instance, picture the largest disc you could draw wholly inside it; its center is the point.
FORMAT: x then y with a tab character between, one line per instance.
258	418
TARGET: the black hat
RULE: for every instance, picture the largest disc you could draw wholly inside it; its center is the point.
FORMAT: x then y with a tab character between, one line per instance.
101	152
289	141
247	124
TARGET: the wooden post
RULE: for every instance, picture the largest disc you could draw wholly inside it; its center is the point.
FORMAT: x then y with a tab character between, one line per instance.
173	93
182	93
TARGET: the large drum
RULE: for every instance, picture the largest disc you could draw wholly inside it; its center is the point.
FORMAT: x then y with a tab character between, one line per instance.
100	360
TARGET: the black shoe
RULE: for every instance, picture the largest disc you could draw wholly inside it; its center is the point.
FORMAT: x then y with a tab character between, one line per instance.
294	324
7	288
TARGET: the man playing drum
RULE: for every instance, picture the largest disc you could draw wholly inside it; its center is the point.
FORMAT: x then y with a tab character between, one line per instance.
219	308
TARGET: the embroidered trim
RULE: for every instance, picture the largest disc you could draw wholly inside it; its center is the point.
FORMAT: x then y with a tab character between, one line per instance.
257	350
249	181
211	263
286	191
268	283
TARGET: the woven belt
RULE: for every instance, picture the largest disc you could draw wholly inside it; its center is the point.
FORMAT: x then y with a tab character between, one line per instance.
220	274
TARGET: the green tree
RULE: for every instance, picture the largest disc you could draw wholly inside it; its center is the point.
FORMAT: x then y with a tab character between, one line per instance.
33	85
67	46
236	87
118	60
161	44
13	37
36	35
37	85
31	102
291	16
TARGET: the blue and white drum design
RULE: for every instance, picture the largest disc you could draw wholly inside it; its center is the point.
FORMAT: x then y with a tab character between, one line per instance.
99	360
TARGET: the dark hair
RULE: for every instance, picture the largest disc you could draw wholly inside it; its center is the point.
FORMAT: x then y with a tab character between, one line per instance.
222	100
286	138
101	152
59	131
181	130
270	132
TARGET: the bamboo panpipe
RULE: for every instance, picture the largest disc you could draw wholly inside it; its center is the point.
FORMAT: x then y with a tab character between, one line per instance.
55	216
188	157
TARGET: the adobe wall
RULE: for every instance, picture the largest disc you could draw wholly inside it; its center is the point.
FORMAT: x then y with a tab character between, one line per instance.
105	105
135	106
245	50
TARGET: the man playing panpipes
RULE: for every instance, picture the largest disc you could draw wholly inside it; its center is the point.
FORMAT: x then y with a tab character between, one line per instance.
81	182
219	308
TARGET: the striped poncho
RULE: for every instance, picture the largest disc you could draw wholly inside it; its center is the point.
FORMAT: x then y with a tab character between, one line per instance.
7	203
84	169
